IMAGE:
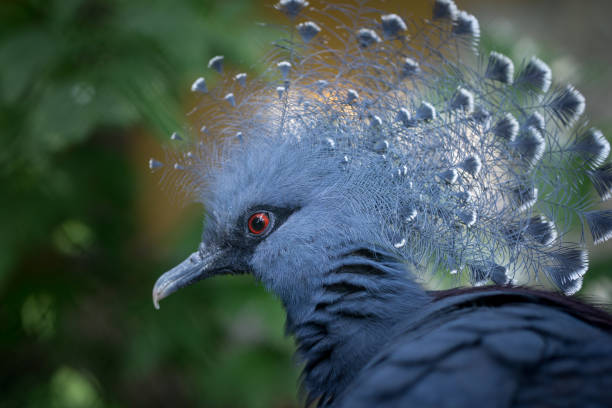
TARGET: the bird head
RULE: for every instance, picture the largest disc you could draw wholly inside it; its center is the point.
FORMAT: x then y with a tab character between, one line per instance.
282	209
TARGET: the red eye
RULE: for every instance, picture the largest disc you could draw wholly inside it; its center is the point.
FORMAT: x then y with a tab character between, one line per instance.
258	223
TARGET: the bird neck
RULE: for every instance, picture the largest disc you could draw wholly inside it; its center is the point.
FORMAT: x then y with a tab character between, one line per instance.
347	320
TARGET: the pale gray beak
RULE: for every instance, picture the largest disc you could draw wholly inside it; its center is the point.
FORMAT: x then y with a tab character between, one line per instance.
197	266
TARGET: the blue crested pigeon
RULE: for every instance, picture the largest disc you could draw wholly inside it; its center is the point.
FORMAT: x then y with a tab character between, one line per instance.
370	154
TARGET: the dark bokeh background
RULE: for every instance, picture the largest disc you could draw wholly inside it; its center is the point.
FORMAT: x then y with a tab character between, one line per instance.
88	90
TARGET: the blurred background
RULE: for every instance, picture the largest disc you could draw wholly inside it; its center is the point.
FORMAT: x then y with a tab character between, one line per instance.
89	90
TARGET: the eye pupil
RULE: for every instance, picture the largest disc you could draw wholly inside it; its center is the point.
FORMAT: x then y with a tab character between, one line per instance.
258	223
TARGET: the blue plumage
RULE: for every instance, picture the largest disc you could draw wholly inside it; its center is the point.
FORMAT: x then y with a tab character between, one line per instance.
343	174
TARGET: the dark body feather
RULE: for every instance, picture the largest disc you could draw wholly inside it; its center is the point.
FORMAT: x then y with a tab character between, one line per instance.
371	337
494	347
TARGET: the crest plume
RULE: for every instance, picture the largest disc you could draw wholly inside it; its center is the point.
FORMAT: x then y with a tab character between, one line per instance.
472	166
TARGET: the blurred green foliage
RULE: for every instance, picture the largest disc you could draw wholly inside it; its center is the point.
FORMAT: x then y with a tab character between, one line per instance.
81	82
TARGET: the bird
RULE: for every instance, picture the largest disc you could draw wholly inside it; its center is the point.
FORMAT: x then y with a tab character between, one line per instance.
375	153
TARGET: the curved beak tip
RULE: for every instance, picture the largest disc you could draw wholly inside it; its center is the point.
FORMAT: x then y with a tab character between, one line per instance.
158	294
164	286
155	301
